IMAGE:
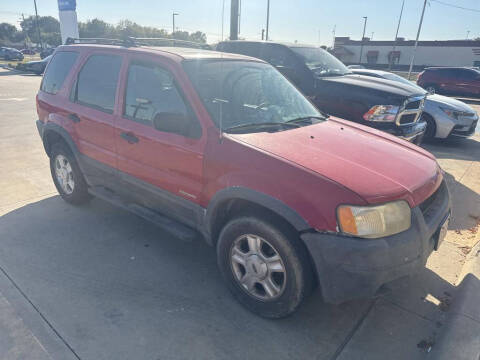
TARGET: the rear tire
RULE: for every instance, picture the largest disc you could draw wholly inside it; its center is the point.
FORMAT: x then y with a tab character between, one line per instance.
276	274
431	88
66	174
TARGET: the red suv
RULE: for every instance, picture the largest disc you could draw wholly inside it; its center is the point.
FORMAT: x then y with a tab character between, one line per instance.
224	146
450	80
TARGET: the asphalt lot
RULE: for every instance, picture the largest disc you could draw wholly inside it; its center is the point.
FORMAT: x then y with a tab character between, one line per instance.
95	282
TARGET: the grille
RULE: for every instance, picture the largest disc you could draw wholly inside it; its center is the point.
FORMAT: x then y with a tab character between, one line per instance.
407	119
413	105
429	206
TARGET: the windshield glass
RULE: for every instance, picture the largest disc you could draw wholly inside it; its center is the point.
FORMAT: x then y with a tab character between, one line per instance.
321	62
247	92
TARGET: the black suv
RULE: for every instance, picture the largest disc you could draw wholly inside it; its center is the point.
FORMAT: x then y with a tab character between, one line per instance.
383	104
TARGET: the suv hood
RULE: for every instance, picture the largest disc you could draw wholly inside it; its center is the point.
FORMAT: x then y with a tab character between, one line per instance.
449	102
375	165
378	84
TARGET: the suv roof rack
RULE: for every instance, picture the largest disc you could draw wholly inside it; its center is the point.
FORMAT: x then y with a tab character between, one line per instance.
132	41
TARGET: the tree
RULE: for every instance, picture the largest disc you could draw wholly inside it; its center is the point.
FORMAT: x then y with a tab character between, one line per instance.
95	28
7	31
49	29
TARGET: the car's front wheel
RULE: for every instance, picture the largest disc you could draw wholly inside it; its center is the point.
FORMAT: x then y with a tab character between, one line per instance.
265	268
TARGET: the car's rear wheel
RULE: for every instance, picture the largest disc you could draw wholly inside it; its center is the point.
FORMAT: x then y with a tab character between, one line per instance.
265	268
67	176
431	88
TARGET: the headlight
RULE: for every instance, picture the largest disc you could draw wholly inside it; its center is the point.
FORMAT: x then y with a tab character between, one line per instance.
383	113
452	113
374	221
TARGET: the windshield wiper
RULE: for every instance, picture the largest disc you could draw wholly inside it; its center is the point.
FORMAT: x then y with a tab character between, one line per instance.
259	125
305	118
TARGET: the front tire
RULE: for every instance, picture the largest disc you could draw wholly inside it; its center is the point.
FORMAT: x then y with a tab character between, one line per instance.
431	129
67	177
265	267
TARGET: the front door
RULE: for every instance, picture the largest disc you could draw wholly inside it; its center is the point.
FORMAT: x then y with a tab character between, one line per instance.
159	141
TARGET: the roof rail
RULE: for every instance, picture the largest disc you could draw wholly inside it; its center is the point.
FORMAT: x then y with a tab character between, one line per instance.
132	41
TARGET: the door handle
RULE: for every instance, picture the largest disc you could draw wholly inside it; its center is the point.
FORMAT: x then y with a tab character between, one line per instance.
130	137
74	118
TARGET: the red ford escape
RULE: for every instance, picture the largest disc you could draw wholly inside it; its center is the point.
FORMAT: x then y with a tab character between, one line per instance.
222	145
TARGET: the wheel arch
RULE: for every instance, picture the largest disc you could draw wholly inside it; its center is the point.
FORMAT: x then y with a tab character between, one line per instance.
52	133
239	200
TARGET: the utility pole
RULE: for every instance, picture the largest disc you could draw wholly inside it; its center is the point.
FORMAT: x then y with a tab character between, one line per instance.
319	39
234	20
416	40
371	37
173	23
363	37
468	33
38	26
333	32
239	14
268	18
263	34
223	16
390	62
24	32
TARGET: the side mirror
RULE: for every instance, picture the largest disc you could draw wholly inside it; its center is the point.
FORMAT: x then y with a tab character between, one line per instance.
176	123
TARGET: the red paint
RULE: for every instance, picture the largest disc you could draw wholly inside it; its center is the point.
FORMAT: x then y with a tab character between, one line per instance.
312	169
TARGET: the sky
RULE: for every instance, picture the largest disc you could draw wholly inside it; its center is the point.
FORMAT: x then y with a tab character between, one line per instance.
307	21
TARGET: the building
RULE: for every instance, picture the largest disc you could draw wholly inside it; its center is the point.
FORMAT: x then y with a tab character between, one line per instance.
378	54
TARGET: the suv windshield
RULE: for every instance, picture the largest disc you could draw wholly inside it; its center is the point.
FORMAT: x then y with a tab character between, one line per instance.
249	96
321	62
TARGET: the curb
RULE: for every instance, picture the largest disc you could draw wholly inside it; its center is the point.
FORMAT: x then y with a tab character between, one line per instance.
473	101
461	338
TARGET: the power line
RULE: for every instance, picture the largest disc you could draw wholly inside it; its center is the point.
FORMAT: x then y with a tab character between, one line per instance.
456	6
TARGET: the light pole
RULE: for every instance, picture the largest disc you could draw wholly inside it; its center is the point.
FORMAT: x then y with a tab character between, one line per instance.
268	19
390	62
38	26
363	37
223	16
468	33
416	40
173	21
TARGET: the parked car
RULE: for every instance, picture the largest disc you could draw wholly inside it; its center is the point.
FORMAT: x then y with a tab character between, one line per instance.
37	67
46	52
445	116
352	67
27	52
10	54
450	80
223	145
378	103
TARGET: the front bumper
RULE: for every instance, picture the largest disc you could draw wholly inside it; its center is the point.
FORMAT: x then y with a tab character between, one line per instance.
464	130
411	132
349	267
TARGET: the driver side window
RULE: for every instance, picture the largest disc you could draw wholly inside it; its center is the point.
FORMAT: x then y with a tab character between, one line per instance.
152	98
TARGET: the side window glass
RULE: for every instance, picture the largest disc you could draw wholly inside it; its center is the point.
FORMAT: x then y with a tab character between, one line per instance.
96	84
152	98
57	71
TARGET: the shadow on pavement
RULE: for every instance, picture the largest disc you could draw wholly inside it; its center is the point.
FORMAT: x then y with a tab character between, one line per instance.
455	149
9	72
116	287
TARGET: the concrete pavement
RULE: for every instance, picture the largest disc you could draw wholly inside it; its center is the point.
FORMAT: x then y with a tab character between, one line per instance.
95	282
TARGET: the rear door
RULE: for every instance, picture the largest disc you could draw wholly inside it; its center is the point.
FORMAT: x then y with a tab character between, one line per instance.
159	140
91	109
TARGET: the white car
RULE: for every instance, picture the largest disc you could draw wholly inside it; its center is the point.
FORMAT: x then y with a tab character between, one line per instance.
445	116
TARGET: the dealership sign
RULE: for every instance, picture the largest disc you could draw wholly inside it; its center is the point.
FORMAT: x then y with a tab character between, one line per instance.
67	5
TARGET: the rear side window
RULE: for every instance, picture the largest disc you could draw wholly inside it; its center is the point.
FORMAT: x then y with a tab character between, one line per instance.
57	71
96	84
